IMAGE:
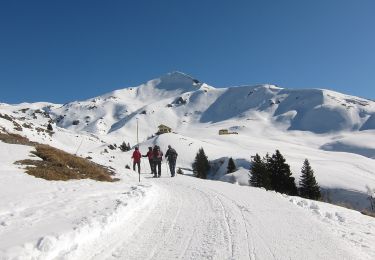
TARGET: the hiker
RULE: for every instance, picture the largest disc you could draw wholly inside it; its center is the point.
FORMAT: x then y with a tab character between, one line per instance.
137	159
171	156
157	157
149	155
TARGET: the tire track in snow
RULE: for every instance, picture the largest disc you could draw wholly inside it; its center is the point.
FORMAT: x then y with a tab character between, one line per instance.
154	253
249	239
227	225
195	219
191	225
251	252
226	213
199	245
182	254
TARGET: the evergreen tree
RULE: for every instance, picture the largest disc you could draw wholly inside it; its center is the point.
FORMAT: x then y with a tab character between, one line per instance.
124	147
259	174
49	127
309	188
281	176
201	165
231	166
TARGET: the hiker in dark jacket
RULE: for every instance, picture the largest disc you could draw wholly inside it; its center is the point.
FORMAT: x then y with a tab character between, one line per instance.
137	159
157	157
149	156
171	156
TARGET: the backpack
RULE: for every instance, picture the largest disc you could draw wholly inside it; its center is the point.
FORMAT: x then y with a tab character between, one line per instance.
157	155
172	154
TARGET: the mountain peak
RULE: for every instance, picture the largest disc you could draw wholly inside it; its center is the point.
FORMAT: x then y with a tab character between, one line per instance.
176	80
177	74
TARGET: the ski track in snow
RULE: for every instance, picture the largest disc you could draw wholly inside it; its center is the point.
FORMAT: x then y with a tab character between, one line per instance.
184	217
188	218
168	218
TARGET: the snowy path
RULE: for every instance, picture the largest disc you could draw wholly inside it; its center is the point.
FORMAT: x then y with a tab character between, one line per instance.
193	219
168	218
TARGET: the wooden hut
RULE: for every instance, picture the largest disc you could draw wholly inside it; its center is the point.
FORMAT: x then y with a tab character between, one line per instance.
164	129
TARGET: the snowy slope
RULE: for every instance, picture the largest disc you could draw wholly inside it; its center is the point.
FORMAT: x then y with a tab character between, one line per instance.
315	110
334	131
168	218
40	219
186	217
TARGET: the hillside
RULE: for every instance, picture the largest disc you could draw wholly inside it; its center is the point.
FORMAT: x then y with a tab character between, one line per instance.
42	219
167	218
334	131
315	110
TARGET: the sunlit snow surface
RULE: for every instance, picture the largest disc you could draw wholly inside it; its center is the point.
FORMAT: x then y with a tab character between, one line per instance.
185	217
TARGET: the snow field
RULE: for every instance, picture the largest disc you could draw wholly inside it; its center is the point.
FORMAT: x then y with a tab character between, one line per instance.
47	220
195	219
184	217
350	225
167	218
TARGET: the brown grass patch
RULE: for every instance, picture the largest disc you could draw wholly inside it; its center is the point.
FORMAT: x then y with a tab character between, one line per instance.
368	213
10	138
59	165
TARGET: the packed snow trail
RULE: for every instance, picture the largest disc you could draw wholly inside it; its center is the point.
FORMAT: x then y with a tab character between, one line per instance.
190	218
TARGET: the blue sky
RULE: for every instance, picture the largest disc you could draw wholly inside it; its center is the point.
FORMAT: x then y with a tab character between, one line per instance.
61	51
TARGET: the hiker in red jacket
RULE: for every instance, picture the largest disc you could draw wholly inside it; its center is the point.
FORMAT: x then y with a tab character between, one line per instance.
149	155
137	159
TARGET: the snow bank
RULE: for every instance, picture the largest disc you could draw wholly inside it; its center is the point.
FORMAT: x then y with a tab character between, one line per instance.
48	219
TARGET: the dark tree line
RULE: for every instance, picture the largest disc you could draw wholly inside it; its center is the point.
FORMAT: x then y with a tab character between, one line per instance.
125	147
273	173
270	172
201	165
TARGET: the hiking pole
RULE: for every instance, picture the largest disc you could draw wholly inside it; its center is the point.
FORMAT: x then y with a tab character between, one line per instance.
139	171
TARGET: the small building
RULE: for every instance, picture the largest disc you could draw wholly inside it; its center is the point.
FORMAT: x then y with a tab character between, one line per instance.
164	129
223	132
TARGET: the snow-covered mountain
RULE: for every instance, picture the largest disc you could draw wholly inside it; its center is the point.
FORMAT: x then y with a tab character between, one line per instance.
186	217
317	123
177	98
264	116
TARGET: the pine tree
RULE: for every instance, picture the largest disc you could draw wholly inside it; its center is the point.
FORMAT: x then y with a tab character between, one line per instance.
281	176
49	127
259	173
231	166
124	147
309	188
201	165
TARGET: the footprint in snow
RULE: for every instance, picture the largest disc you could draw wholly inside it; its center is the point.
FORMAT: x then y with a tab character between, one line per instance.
46	243
339	217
